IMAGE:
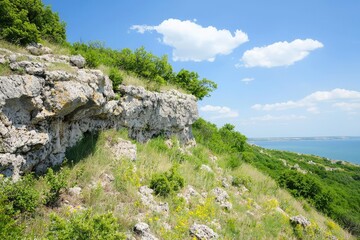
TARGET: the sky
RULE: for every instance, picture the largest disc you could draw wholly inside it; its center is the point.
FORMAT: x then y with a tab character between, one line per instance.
283	68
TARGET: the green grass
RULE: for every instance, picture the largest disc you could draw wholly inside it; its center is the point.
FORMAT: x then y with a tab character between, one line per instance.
253	216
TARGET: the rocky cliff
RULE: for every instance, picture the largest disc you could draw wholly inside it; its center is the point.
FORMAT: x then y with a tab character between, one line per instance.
48	102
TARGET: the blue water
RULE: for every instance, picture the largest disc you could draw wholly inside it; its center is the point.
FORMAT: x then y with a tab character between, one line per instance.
336	149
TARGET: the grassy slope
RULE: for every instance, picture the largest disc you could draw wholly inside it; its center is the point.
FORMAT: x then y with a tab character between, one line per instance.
253	215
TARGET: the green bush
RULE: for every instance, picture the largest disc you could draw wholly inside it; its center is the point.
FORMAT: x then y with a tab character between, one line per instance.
241	180
9	227
85	225
27	21
116	78
56	182
167	183
22	194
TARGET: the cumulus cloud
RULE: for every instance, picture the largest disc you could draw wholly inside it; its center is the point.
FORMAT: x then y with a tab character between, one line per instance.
348	106
309	102
219	111
269	117
247	80
193	42
279	53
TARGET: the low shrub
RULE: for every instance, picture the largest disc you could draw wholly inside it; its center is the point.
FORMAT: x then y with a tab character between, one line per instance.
116	77
85	225
167	183
56	182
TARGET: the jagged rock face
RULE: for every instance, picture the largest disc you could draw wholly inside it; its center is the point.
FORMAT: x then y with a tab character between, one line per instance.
45	111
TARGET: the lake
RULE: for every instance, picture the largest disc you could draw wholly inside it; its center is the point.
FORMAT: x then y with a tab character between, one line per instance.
337	148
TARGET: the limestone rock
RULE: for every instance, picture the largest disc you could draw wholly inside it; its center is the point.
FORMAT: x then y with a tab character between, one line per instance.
203	232
221	197
299	219
143	230
123	149
78	61
38	49
148	200
44	112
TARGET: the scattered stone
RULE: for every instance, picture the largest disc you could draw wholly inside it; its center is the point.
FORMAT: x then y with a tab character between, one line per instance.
38	49
74	191
78	61
225	183
148	200
221	197
206	168
32	68
188	193
202	232
122	149
143	230
299	219
109	177
311	163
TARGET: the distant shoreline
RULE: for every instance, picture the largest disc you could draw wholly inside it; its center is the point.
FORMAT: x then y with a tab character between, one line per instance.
319	138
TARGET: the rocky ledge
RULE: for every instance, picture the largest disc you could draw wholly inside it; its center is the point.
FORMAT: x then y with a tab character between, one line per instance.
48	102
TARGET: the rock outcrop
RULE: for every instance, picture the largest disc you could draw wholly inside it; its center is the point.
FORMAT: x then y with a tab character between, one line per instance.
48	102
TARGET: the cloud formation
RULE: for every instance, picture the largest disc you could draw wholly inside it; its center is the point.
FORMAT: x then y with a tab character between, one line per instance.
219	111
247	80
309	102
269	117
279	53
192	42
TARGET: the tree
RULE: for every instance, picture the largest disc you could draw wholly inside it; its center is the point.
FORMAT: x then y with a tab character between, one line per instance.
27	21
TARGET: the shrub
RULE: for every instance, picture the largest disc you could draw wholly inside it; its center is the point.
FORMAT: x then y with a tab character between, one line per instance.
22	194
116	77
85	225
56	182
167	183
241	180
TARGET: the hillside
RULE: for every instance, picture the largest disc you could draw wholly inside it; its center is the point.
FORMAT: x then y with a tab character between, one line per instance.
105	182
161	187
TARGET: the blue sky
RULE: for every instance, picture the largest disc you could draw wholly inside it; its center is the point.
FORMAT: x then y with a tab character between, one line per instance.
283	68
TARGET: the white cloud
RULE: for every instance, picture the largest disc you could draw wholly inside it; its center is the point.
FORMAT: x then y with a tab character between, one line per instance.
309	102
219	111
279	53
269	117
192	42
346	106
247	80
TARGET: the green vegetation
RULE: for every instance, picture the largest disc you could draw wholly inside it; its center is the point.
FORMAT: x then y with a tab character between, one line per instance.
333	189
85	225
167	183
109	207
145	65
56	182
29	21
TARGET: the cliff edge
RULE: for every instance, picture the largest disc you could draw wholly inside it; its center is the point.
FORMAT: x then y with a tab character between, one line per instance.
49	101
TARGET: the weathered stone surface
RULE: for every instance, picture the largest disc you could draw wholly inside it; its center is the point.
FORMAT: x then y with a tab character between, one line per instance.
143	230
78	61
203	232
299	219
43	112
221	197
148	200
38	49
122	149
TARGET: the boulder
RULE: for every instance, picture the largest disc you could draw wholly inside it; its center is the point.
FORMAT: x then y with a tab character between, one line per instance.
38	49
202	232
78	61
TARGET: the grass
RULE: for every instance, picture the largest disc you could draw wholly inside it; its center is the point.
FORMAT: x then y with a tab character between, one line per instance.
5	70
12	47
254	214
